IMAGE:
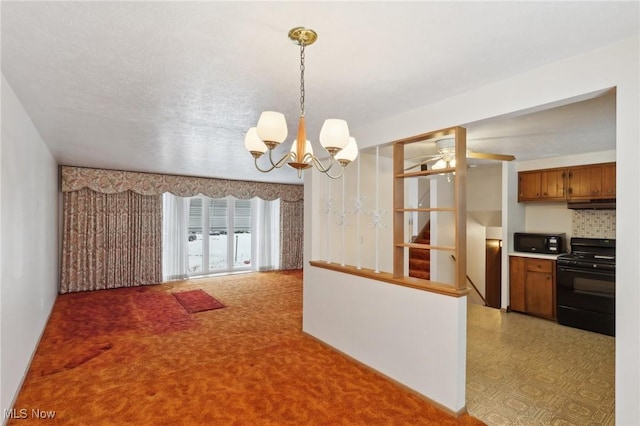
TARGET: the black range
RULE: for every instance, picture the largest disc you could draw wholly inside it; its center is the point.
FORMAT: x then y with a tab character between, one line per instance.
585	285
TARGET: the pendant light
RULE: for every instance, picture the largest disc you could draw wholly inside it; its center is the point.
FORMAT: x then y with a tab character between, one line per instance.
271	131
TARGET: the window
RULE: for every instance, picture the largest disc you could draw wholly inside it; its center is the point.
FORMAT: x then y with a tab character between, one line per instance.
219	235
202	235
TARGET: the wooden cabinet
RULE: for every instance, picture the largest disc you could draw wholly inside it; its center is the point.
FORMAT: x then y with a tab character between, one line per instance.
580	182
528	186
532	286
552	184
609	180
577	183
592	182
516	284
541	185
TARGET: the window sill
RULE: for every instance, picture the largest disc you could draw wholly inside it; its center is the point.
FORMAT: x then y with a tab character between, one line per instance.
417	283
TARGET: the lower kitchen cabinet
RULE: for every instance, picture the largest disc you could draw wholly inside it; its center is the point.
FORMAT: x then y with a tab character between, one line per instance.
532	286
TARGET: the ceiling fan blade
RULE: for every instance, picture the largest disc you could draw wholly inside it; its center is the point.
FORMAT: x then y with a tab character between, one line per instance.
488	156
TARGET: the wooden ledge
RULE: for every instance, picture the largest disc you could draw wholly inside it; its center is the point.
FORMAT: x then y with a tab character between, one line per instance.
412	282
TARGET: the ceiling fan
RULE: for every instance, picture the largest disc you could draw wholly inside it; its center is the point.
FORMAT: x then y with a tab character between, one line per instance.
446	156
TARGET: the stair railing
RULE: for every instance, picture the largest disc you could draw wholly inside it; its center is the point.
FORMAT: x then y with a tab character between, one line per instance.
424	196
473	285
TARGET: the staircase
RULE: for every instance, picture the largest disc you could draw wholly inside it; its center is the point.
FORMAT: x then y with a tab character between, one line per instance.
420	259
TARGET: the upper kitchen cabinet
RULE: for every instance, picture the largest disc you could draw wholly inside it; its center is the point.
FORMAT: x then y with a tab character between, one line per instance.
609	180
541	185
529	186
595	181
571	184
552	184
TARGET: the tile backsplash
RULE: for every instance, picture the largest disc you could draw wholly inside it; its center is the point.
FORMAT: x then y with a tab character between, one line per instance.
594	223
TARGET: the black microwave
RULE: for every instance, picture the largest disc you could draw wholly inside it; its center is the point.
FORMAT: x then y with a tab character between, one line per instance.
539	243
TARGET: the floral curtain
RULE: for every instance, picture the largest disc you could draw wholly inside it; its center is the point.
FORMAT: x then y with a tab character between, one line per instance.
110	240
113	181
113	223
291	234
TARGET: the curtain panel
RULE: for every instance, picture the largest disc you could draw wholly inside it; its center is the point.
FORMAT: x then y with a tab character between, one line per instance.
265	228
110	240
113	227
291	234
113	181
175	237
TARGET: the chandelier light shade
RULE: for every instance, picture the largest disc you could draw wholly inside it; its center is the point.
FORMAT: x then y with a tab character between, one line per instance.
272	127
348	153
271	131
254	144
334	135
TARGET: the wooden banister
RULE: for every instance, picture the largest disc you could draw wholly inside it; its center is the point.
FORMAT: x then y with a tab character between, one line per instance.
473	285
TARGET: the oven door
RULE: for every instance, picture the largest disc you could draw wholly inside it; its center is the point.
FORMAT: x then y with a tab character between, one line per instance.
586	299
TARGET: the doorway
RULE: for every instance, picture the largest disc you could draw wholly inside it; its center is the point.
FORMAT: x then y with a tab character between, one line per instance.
219	235
493	273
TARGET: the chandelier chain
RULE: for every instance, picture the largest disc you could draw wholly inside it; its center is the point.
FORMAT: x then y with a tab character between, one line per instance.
302	78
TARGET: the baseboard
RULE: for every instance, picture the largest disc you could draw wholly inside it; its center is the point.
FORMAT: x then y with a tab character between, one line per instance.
6	419
458	413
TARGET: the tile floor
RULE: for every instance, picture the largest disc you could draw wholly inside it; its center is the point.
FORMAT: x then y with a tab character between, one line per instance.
523	370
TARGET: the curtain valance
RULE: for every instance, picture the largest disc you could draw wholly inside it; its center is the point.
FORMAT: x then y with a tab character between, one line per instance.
113	181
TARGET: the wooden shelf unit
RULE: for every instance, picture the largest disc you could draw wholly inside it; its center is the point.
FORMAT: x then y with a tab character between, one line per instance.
459	209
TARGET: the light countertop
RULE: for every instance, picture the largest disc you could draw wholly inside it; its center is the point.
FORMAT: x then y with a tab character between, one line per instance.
534	255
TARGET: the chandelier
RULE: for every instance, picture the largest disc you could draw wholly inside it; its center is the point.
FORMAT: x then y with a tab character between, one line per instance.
271	131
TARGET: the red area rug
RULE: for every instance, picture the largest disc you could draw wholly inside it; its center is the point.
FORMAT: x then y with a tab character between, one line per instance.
197	301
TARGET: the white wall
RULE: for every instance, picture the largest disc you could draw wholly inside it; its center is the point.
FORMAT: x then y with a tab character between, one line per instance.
613	66
29	215
484	190
390	328
513	217
484	219
477	259
547	218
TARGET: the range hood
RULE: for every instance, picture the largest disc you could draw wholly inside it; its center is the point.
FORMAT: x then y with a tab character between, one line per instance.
599	204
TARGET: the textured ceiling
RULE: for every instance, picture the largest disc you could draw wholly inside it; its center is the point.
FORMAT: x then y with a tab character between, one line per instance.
171	87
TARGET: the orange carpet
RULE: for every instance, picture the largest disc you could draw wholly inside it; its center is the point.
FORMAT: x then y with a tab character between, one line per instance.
134	356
